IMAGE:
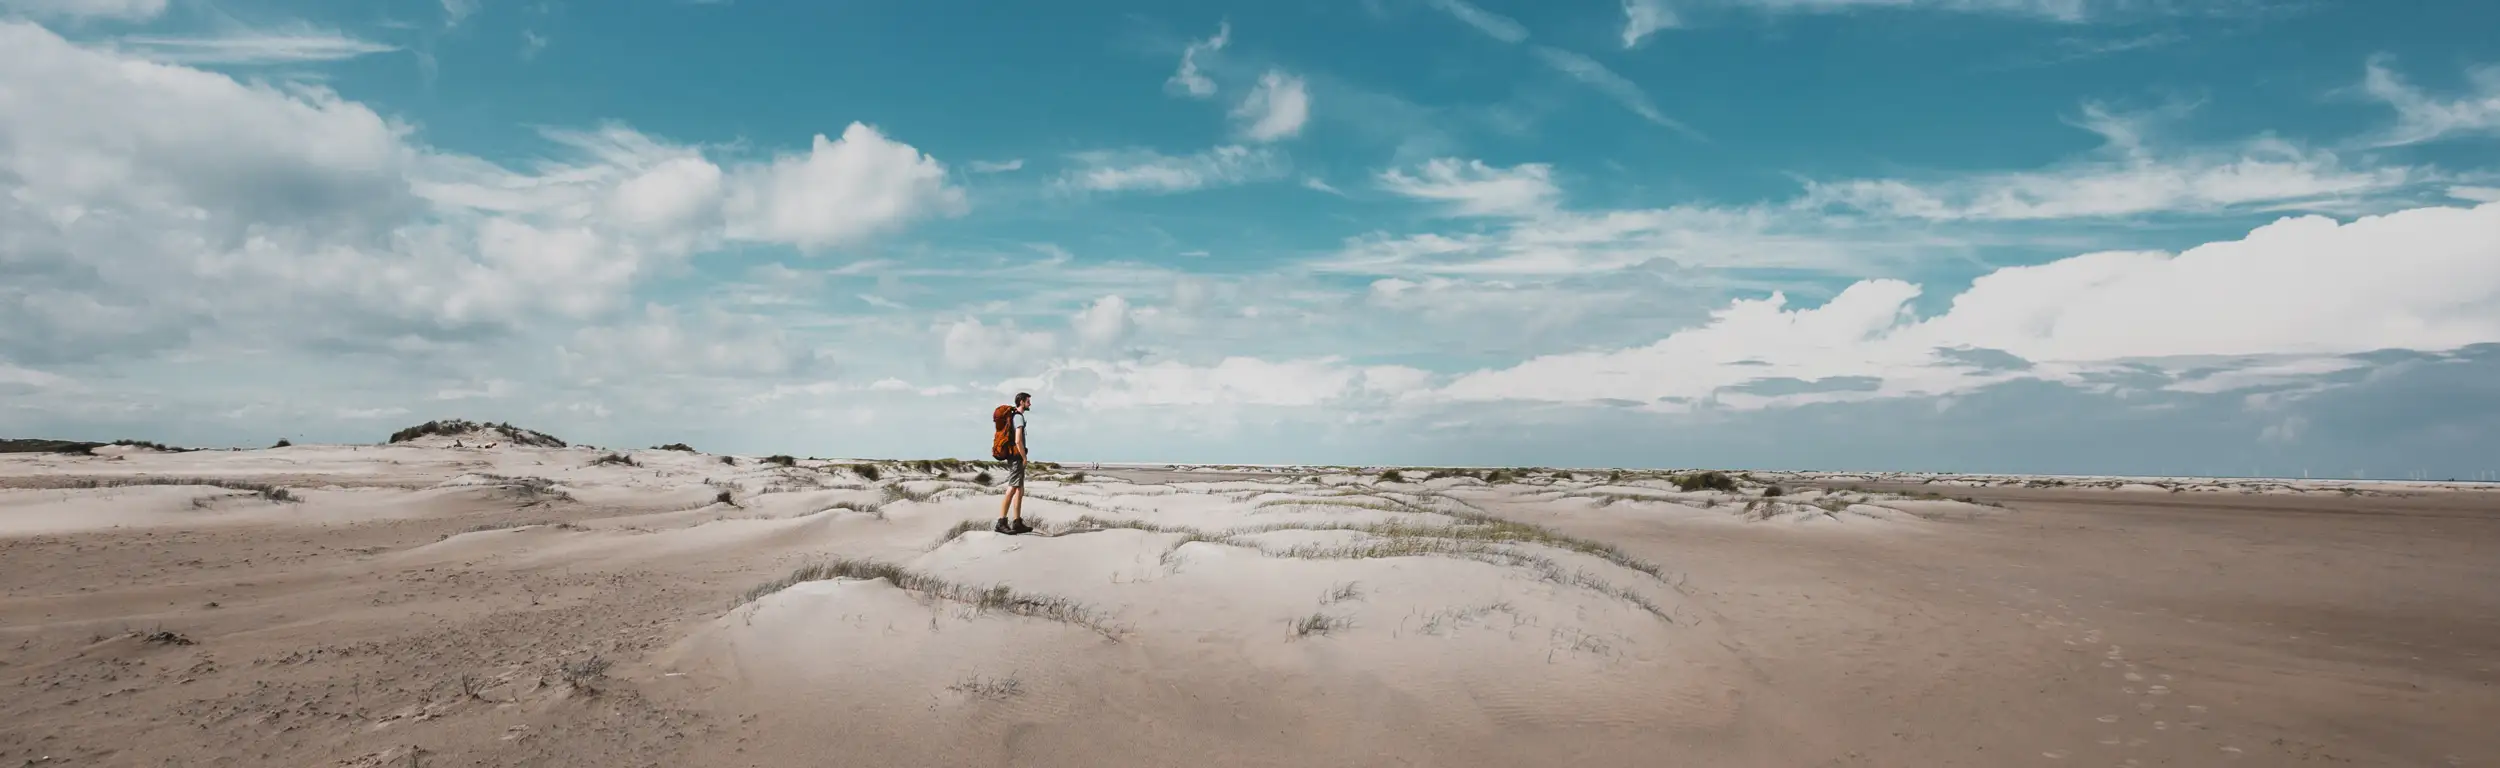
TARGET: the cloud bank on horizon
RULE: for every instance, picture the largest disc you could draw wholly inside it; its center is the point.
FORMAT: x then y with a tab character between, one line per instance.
2001	235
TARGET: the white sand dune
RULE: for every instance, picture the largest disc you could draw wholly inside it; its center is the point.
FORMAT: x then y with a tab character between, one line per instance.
441	601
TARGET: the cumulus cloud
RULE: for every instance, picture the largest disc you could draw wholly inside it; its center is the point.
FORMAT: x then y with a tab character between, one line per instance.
2421	117
1275	109
2420	279
997	166
1104	322
1188	80
150	205
1471	188
1148	171
841	191
972	345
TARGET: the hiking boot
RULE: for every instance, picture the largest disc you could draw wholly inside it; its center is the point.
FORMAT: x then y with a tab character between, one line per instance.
1001	527
1020	527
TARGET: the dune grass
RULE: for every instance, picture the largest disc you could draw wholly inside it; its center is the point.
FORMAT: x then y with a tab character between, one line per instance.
266	491
998	598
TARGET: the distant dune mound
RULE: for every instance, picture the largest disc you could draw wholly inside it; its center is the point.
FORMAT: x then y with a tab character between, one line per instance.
446	432
41	445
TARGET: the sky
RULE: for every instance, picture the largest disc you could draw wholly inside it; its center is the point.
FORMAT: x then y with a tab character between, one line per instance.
2193	237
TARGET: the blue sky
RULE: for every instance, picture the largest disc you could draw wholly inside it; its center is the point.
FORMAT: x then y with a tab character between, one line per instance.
2143	236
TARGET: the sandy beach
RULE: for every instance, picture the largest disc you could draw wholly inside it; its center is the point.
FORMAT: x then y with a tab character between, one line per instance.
437	602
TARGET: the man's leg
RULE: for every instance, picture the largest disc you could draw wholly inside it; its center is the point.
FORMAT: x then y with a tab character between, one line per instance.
1005	503
1015	493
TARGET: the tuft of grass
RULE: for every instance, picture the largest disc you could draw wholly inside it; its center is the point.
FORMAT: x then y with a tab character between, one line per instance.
866	472
729	460
983	478
615	458
872	510
678	447
1351	590
898	492
282	443
999	598
584	674
1077	477
535	489
1712	480
1319	623
964	527
1392	476
781	459
988	688
483	527
266	491
724	497
1774	492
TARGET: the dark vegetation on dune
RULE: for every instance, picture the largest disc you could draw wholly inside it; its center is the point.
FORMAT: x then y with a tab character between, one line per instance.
43	445
456	427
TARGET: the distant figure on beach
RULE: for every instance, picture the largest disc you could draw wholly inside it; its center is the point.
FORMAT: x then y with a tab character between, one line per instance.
1007	445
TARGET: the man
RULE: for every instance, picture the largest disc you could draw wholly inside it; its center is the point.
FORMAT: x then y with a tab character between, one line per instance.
1013	452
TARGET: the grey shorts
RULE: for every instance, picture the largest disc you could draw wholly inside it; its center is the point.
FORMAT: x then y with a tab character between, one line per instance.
1015	472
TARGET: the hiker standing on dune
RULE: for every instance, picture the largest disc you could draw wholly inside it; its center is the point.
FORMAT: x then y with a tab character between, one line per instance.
1007	445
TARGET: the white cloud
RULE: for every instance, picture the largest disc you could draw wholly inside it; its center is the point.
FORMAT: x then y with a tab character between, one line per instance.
2128	179
1472	188
1643	17
1102	323
491	389
2421	117
1569	242
1231	381
121	10
1493	25
152	205
296	45
1276	109
707	344
972	345
1002	166
2420	279
1188	80
531	44
841	191
456	11
2058	10
1149	171
1614	86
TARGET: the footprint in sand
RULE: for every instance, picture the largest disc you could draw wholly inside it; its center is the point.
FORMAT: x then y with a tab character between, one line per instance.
2107	718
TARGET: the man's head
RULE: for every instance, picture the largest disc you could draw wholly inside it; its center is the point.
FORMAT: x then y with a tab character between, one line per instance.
1024	401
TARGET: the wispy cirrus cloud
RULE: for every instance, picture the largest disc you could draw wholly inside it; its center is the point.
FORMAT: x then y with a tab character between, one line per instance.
291	45
1140	170
2422	117
1623	91
1576	66
1189	80
1641	18
1492	24
120	10
2127	177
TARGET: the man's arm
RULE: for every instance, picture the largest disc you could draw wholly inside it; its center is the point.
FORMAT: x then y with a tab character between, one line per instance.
1022	450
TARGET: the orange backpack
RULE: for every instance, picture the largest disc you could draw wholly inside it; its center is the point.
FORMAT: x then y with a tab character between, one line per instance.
1003	433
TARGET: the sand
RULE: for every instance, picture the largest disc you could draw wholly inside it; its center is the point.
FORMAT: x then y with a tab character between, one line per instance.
520	605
